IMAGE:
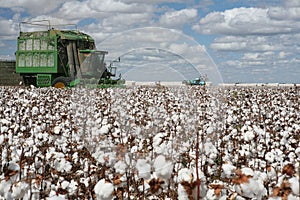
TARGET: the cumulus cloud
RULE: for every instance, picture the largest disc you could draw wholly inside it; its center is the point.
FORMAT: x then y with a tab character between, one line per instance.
178	18
241	43
10	30
33	7
245	21
292	3
281	13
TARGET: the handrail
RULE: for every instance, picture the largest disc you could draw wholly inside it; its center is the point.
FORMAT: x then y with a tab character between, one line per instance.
35	23
45	23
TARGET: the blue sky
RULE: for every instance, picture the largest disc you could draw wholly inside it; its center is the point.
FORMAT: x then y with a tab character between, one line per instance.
229	40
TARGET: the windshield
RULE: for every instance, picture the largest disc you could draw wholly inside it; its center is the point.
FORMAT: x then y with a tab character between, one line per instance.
92	65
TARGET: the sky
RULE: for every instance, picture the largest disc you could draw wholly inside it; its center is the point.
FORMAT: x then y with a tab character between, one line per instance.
246	41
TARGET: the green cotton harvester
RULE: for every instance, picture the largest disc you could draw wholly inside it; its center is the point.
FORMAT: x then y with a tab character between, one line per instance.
61	58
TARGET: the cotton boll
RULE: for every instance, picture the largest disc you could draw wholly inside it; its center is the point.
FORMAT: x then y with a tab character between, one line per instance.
57	130
247	171
72	187
182	195
54	196
120	167
1	139
104	129
209	148
4	189
294	185
270	157
189	176
163	168
103	190
144	168
34	111
292	197
271	173
228	170
252	189
229	119
209	130
62	165
248	135
184	175
157	139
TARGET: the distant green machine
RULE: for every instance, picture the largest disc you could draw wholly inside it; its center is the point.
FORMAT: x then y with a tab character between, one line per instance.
61	58
197	81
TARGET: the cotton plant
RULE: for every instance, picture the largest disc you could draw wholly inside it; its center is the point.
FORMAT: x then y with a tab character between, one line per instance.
66	142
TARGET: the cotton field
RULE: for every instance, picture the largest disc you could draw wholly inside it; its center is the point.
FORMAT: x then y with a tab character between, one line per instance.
150	143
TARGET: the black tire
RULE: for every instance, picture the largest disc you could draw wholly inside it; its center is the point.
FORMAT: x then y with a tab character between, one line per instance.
61	82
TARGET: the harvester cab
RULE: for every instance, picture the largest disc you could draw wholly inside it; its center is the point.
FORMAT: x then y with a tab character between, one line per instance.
60	58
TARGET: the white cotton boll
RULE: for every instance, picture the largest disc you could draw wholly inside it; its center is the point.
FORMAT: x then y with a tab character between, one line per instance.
103	190
144	187
62	165
163	168
247	171
294	185
72	187
65	184
270	157
179	128
85	181
271	173
157	139
209	148
182	195
209	130
162	149
185	174
54	196
5	122
5	188
252	189
1	139
229	119
274	198
120	167
21	91
134	149
292	156
34	111
292	197
104	129
144	168
248	135
175	118
57	130
228	170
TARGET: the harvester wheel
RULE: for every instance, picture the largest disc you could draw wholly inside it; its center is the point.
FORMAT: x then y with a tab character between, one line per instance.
60	82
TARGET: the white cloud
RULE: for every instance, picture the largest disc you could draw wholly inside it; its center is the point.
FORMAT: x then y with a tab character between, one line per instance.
10	31
245	21
258	56
249	43
34	7
280	13
118	6
178	18
158	1
75	10
292	3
